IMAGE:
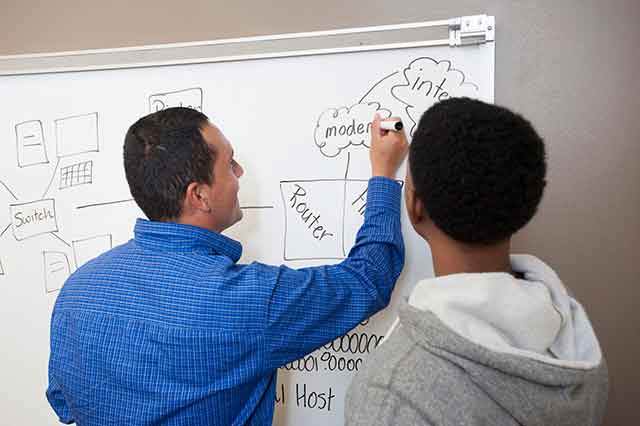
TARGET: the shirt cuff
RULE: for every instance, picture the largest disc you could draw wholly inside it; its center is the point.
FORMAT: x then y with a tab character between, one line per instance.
384	194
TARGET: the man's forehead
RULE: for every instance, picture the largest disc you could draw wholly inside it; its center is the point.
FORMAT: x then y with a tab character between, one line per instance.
214	137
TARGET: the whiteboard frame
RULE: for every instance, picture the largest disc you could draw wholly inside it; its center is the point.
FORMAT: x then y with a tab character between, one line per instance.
205	51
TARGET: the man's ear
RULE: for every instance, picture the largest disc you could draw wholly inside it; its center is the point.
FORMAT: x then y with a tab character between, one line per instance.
195	198
415	207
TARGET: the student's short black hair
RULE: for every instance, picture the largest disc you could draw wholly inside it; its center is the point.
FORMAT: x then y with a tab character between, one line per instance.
478	168
163	153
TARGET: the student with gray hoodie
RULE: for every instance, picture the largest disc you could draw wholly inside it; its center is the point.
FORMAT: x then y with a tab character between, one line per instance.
494	338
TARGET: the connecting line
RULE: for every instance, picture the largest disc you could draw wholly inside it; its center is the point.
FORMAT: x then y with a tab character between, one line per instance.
131	199
346	172
376	85
344	195
5	230
9	190
344	210
128	200
58	237
52	178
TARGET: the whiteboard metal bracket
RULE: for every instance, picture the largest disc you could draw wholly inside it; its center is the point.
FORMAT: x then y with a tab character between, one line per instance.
473	29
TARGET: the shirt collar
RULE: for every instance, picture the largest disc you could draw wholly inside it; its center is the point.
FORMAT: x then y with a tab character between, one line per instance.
176	237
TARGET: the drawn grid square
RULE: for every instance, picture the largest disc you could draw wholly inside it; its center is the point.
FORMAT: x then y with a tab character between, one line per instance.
76	174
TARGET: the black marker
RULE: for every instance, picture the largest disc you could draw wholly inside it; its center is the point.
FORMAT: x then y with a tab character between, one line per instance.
396	125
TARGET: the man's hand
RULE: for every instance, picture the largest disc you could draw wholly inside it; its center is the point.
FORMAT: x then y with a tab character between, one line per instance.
388	149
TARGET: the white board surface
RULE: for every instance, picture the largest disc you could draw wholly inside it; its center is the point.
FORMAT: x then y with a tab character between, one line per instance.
298	126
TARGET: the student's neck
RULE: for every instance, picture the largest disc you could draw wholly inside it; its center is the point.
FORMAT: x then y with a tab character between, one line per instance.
451	257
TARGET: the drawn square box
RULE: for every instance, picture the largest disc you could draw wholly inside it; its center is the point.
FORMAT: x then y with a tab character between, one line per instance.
188	98
30	144
89	248
77	134
56	270
76	174
33	218
313	222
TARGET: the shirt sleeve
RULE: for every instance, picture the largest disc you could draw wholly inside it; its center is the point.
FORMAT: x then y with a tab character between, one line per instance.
54	391
57	401
310	307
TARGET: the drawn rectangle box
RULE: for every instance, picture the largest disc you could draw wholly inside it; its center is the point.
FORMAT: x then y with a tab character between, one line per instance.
313	222
77	134
33	218
340	203
89	248
188	98
30	144
56	270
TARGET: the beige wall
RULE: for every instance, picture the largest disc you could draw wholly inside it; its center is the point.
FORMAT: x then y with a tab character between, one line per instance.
573	69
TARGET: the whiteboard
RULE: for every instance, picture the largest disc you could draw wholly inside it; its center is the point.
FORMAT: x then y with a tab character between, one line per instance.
298	125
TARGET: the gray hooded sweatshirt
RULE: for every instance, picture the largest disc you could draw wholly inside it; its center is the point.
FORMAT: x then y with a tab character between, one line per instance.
485	349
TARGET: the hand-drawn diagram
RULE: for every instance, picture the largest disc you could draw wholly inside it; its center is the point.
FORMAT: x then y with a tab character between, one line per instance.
1	268
188	98
76	174
30	144
56	270
75	135
89	248
315	228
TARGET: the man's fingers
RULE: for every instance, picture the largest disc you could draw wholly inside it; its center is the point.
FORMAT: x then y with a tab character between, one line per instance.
375	124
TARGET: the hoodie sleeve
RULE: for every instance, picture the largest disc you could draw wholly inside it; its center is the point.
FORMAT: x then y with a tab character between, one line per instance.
369	404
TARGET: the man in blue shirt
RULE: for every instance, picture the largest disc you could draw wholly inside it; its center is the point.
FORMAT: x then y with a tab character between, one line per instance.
168	328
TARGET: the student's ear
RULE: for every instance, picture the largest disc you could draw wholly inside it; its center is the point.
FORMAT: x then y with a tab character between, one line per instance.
195	198
415	207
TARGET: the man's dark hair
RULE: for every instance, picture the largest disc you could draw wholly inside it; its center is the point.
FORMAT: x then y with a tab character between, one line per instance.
478	168
163	153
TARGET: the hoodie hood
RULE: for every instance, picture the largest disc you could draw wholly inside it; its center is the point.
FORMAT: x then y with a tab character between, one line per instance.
533	317
526	343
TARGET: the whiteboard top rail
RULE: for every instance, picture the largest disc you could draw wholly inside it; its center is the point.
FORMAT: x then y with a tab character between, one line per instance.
460	31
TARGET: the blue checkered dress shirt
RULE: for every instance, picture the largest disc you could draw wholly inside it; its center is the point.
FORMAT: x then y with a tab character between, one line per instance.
168	329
